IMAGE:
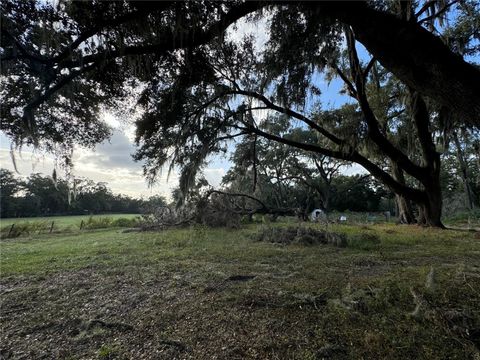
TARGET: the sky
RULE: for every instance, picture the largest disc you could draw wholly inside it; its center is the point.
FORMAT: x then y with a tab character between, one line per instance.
111	161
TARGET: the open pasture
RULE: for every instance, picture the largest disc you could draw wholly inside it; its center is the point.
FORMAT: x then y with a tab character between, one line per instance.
199	293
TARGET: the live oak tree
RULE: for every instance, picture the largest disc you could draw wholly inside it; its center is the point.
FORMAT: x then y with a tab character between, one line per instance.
382	126
62	65
229	76
207	105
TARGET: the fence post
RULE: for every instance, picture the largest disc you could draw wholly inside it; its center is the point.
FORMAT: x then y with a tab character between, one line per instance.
11	229
51	227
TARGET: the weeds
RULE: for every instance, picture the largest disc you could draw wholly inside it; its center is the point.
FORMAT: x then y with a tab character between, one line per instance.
310	236
297	235
26	228
108	222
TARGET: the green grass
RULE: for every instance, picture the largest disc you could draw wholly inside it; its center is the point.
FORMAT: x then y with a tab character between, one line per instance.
63	221
175	294
21	227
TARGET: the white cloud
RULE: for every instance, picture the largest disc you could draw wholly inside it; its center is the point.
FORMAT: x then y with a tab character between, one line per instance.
214	175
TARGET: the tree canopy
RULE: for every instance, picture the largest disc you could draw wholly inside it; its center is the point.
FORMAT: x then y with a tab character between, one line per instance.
197	90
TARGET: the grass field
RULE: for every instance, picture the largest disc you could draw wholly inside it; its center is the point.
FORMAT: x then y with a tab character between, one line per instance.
63	221
200	293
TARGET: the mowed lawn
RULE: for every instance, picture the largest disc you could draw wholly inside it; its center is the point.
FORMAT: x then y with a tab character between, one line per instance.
63	221
199	293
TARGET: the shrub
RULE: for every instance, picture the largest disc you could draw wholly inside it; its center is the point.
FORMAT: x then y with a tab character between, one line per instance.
213	211
107	222
300	235
97	223
124	222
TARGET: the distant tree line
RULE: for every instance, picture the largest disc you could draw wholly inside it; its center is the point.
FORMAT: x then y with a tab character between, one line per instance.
40	195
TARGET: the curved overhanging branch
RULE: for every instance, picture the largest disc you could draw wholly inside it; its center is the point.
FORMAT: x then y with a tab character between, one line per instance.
172	40
374	132
416	57
40	99
191	37
87	34
352	155
288	112
262	204
413	194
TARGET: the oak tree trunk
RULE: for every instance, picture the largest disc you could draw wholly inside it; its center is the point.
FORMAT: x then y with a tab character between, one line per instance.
405	211
404	206
432	208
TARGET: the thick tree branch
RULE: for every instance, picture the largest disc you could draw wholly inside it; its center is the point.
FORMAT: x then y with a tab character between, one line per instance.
421	119
262	204
367	69
376	171
425	7
23	51
39	100
263	209
348	83
415	56
173	39
289	112
374	131
67	51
